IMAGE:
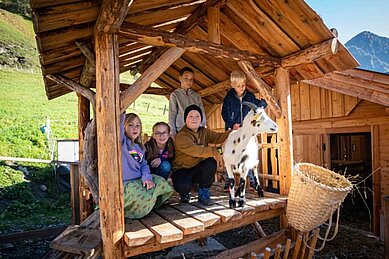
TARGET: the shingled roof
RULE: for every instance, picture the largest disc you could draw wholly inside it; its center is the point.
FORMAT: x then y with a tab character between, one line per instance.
274	29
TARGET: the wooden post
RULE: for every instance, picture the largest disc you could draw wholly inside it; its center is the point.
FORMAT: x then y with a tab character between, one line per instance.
386	225
86	201
284	135
375	148
74	194
108	144
282	89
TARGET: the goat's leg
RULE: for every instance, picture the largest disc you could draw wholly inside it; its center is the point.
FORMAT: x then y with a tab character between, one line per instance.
231	186
242	188
258	187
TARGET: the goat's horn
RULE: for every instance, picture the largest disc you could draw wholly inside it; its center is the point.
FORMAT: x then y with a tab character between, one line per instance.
252	106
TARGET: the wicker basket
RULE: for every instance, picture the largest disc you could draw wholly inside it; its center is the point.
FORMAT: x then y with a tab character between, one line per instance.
314	195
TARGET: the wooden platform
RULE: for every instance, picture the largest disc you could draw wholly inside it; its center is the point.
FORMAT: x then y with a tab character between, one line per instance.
174	223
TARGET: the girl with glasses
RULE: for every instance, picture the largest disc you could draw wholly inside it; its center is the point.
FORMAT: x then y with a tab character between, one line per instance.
160	150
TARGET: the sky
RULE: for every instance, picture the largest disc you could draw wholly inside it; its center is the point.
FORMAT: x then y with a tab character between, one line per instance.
350	17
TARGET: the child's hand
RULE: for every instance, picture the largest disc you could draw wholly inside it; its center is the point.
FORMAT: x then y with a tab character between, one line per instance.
149	185
236	126
156	162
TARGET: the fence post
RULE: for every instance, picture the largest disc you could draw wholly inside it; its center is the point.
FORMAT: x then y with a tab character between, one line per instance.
386	225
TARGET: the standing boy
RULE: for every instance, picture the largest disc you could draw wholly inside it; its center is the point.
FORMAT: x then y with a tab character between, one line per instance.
182	98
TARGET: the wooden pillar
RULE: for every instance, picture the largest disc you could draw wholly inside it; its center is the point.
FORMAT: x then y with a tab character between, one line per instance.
375	150
284	135
285	141
386	226
86	201
108	144
75	194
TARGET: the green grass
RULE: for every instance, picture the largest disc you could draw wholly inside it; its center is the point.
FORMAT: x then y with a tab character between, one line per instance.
17	42
24	205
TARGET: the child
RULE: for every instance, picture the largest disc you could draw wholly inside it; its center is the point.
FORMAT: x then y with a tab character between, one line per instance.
233	112
182	98
194	162
160	150
142	191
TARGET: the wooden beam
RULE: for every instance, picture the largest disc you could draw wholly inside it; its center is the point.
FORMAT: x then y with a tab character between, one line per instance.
214	88
151	36
214	25
254	246
263	88
112	14
284	135
108	144
149	90
375	151
87	76
361	82
311	54
88	53
182	28
86	201
149	76
70	84
350	89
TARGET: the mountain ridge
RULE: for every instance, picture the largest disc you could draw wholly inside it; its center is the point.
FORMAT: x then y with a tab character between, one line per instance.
371	51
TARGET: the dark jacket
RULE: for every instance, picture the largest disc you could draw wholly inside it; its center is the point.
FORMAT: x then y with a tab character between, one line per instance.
233	109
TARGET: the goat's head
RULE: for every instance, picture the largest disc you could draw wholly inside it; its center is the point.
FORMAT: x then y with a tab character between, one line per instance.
257	121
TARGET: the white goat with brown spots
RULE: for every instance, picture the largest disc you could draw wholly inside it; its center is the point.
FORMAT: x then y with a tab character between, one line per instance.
241	151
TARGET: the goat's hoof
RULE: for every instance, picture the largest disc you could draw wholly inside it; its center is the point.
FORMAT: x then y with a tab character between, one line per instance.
232	204
241	203
260	192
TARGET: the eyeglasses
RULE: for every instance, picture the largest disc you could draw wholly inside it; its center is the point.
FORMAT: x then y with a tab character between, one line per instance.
161	133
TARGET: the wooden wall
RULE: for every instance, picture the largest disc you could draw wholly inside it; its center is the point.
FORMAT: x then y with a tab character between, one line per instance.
311	102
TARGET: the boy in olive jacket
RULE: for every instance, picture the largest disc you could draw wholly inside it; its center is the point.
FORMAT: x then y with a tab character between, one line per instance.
194	162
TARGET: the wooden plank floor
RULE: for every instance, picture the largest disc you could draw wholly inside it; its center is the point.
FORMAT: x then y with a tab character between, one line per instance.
195	220
177	223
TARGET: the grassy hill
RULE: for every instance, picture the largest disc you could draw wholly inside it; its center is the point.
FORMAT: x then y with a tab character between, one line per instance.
29	195
17	42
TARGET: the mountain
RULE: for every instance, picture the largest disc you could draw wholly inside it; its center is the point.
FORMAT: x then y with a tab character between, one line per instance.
371	51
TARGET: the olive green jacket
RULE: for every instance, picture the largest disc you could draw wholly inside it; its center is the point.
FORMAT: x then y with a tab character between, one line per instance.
192	147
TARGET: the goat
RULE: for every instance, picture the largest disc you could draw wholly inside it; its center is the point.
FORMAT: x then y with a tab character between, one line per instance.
241	151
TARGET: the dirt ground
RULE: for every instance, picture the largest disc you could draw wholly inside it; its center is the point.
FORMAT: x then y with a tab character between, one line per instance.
349	243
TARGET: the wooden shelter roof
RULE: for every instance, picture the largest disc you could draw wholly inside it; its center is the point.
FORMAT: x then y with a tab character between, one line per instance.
364	84
274	31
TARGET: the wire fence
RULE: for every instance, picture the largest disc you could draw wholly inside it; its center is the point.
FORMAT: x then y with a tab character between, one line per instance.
149	107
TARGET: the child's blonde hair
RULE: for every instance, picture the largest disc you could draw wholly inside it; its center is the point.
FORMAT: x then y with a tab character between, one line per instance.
129	118
237	76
